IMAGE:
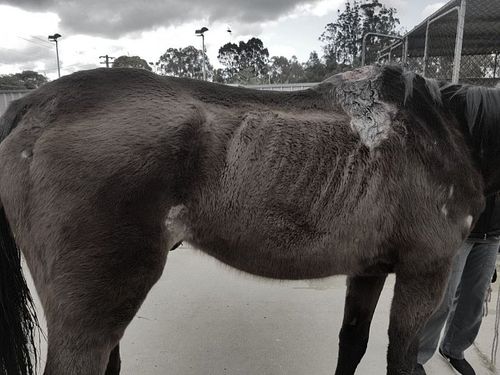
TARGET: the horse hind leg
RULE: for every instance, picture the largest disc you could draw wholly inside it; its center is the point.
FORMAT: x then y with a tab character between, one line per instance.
95	291
362	295
114	363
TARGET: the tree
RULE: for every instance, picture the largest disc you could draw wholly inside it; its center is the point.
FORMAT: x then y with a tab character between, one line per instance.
314	69
131	62
244	62
343	38
229	57
279	69
218	76
296	71
27	79
184	62
379	19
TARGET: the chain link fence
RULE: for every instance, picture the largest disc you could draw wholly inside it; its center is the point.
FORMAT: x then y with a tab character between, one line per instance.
460	42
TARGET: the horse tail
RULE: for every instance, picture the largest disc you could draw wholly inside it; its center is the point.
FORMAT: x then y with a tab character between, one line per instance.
18	322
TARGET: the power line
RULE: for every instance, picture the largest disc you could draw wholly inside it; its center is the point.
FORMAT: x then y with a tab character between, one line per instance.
41	40
78	65
31	41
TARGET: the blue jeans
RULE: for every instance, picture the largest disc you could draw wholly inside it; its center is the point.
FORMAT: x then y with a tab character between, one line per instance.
462	305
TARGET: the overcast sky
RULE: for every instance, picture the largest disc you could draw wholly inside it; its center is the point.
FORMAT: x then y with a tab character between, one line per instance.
91	28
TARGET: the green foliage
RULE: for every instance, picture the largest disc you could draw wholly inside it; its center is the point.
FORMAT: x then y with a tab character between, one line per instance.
314	69
218	76
343	38
283	70
27	79
244	62
131	62
184	62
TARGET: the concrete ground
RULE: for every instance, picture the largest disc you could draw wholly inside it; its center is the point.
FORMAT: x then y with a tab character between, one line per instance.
203	318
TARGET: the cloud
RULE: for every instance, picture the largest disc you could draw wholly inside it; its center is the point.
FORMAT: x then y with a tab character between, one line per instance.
319	8
24	39
431	8
9	56
115	18
30	58
398	4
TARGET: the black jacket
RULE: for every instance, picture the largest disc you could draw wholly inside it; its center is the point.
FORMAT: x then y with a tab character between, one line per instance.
488	224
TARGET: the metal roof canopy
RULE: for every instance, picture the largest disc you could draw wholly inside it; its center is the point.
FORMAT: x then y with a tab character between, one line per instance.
482	19
459	28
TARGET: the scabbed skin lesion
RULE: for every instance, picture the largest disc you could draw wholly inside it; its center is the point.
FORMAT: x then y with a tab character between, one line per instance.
359	94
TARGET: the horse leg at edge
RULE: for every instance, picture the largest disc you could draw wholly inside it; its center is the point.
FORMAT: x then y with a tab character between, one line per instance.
417	293
362	295
114	363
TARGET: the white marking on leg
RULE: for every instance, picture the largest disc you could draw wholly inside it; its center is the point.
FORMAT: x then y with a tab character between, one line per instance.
450	194
174	212
444	210
468	221
176	228
26	154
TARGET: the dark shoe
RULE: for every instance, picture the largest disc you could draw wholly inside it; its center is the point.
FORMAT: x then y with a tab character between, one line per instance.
460	365
419	370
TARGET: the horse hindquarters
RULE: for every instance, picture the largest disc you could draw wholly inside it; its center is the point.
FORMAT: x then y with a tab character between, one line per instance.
103	274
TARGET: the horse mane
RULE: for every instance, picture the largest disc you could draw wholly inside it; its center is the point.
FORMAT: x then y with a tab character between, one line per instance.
405	86
482	105
432	86
478	108
420	97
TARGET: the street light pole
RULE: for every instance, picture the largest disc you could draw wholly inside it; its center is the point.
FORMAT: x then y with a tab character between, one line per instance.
201	32
53	38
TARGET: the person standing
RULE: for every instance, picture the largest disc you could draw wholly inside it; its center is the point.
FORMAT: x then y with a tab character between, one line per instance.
463	303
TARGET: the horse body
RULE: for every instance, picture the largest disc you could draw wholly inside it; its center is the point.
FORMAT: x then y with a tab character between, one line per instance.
103	172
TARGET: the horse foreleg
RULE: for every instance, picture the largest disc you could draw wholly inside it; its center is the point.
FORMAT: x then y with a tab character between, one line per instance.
416	295
361	299
114	363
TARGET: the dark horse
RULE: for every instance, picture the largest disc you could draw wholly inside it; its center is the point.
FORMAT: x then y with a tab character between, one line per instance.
103	172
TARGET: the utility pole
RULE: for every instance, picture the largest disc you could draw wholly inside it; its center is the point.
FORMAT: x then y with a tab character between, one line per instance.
53	38
107	58
201	32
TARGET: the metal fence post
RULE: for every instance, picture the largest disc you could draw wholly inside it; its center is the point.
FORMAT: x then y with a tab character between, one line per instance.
363	45
405	51
496	65
426	49
363	49
458	43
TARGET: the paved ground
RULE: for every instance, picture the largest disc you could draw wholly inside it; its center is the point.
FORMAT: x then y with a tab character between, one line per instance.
203	318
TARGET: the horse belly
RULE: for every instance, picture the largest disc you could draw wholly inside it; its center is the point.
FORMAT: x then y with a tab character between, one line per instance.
284	239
